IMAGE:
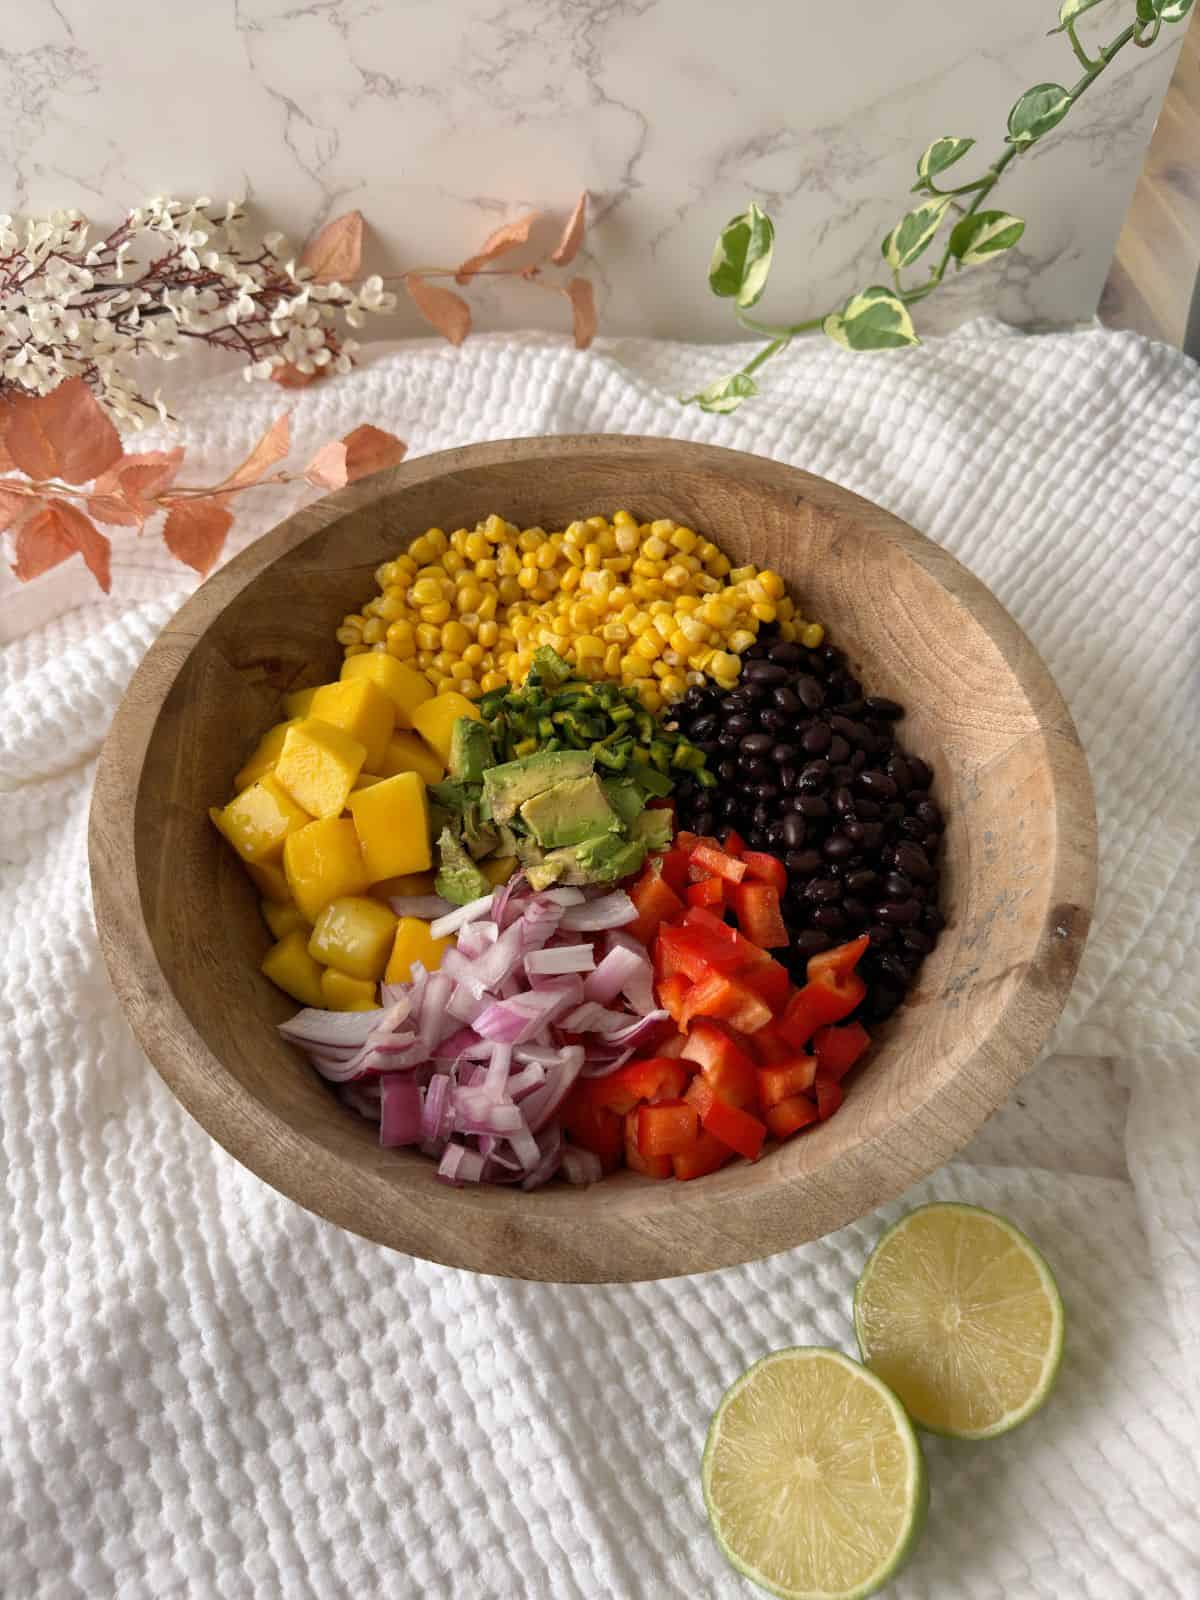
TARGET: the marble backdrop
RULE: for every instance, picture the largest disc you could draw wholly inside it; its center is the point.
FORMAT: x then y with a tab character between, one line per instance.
439	118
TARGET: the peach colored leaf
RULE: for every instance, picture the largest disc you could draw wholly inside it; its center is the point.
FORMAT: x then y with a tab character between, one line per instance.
114	510
125	495
195	531
64	434
567	247
55	534
14	507
442	309
583	311
7	464
498	243
289	376
327	469
272	447
370	450
336	252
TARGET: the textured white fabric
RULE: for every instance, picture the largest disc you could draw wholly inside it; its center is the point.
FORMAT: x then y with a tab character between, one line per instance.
205	1391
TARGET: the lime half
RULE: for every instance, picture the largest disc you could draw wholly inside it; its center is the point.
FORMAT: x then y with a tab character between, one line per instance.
961	1316
813	1477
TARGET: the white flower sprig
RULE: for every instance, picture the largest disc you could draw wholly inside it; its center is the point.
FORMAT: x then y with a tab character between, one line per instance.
171	273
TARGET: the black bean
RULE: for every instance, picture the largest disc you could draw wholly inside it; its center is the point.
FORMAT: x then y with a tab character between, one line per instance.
703	822
785	653
756	768
880	706
773	721
857	910
705	727
709	747
727	770
758	838
831	917
803	863
838	749
920	771
913	828
872	835
765	791
816	739
784	753
877	784
775	833
810	942
739	724
757	651
761	815
824	889
842	774
918	940
842	725
788	778
853	829
897	887
882	1001
866	810
787	700
893	967
755	744
813	806
794	831
914	798
814	775
838	848
809	691
843	801
897	770
900	912
930	813
861	879
768	672
791	802
932	920
851	706
880	935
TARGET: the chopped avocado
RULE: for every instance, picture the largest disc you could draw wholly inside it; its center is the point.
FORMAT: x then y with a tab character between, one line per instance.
547	667
506	840
459	879
470	750
453	796
569	812
609	856
624	796
508	787
480	837
652	830
544	873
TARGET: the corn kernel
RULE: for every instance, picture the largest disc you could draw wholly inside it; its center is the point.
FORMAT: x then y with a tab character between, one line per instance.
452	562
487	606
400	640
612	661
588	645
724	665
717	566
476	546
654	548
374	632
455	637
652	699
487	571
674	686
788	632
492	680
764	611
785	609
649	646
741	639
468	598
812	636
428	637
772	583
348	636
509	590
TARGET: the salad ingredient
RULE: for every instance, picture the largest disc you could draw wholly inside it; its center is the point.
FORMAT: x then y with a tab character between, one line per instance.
568	813
289	966
813	1478
959	1313
318	765
361	709
508	786
391	819
459	880
258	820
263	757
408	752
404	687
281	919
470	751
322	862
837	1049
340	992
434	720
354	934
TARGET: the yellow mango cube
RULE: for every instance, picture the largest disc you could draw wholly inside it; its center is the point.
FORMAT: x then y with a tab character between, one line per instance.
366	779
318	766
323	862
435	719
298	704
282	919
392	819
268	878
263	757
289	965
257	821
498	869
355	935
342	993
363	710
414	942
409	883
408	752
404	687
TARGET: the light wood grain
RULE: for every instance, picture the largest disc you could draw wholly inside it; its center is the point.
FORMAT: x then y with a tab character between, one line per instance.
182	936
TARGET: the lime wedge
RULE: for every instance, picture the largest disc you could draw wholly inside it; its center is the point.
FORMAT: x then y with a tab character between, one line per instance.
813	1477
961	1316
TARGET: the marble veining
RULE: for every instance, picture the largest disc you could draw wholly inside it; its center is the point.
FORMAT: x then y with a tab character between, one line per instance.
439	118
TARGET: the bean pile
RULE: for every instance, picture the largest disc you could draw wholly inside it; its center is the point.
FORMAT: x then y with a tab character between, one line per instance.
809	768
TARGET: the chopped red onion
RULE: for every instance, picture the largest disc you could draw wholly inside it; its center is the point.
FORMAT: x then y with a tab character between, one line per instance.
550	1156
437	1111
459	916
593	1018
563	958
400	1121
612	911
460	1165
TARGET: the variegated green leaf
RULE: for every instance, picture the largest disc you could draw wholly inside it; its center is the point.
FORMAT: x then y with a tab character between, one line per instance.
741	259
984	235
726	394
1175	10
913	233
1070	9
874	319
1037	111
942	153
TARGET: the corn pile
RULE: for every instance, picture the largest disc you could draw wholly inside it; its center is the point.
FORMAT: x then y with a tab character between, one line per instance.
650	605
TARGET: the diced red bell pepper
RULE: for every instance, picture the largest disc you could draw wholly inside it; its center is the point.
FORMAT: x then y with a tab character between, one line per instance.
694	952
770	1047
656	903
837	1049
734	844
725	1065
841	959
728	1000
708	892
756	906
749	955
790	1115
593	1127
781	1082
729	1123
686	841
673	867
667	1128
829	1094
705	1156
654	1078
770	982
831	993
764	868
672	1047
718	862
648	1166
673	995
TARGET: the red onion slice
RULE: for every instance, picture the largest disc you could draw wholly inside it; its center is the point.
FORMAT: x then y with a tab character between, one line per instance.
400	1120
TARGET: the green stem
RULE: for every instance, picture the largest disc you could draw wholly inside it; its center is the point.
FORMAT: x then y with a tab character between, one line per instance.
767	351
752	325
1085	60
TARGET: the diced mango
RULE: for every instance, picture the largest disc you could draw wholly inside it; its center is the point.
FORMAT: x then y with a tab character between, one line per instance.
289	965
498	869
392	819
298	704
409	883
322	863
366	779
343	993
267	877
408	752
263	758
281	919
414	942
354	935
435	720
318	766
405	688
257	821
363	710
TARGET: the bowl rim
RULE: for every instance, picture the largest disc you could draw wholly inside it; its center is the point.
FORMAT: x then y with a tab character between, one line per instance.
297	1165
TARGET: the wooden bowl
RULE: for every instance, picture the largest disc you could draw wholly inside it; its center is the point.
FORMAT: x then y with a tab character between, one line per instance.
181	932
